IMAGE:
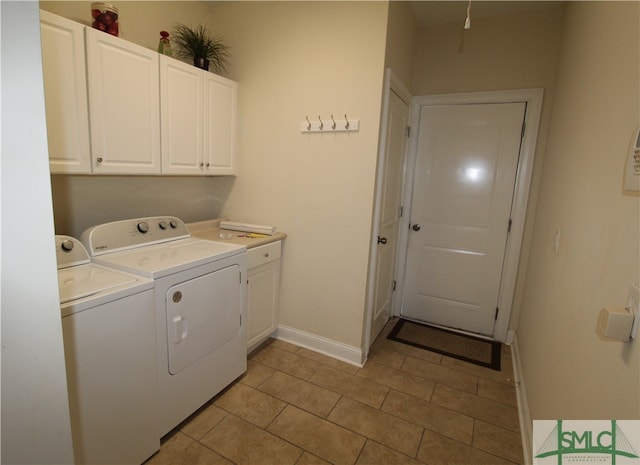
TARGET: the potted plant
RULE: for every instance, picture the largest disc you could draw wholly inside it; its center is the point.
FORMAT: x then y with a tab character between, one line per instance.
200	45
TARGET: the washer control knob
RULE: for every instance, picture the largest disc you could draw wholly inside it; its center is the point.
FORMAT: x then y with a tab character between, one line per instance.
163	225
67	245
143	227
173	223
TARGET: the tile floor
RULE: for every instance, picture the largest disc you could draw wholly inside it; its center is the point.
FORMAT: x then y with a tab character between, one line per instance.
405	406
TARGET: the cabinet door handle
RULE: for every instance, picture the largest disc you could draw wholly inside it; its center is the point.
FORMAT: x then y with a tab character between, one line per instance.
207	165
99	159
266	255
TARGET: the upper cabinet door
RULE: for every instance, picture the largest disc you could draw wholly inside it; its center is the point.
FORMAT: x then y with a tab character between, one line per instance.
181	105
65	84
221	128
123	81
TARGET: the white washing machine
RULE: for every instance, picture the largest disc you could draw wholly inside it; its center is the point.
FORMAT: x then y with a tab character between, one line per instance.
200	301
108	323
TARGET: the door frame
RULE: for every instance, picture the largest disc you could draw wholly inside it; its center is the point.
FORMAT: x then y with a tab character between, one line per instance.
391	84
533	99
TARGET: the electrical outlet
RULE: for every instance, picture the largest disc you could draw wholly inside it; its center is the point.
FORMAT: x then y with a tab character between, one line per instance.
633	305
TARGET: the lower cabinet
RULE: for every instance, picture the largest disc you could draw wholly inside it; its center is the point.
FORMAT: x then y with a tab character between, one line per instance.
263	295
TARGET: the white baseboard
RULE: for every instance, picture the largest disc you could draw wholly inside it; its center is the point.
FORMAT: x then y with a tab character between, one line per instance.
524	416
335	349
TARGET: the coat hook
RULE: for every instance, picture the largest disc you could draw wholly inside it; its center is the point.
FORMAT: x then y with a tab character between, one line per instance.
321	123
346	126
333	125
308	123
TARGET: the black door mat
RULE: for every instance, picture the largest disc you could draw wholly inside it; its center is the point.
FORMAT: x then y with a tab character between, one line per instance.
471	349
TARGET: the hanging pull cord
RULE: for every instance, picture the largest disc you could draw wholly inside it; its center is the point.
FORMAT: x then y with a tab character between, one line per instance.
467	21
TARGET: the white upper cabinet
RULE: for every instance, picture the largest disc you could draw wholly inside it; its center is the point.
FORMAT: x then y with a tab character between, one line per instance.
199	111
221	127
114	107
65	84
123	82
181	110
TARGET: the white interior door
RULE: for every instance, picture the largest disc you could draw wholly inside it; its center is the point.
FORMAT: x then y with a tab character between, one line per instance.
392	177
464	178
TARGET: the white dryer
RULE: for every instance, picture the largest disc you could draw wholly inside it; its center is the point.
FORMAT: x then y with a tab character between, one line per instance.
200	301
108	322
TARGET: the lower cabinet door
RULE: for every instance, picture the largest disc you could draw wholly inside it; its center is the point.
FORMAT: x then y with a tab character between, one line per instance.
263	302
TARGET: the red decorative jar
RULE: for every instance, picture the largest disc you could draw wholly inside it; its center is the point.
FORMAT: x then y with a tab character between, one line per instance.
105	18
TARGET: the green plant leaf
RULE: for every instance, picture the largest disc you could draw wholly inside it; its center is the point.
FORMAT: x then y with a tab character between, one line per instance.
200	42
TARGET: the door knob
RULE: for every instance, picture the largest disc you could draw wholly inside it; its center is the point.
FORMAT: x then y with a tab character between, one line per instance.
416	227
382	240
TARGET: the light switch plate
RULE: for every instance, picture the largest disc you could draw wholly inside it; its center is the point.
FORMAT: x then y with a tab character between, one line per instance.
633	304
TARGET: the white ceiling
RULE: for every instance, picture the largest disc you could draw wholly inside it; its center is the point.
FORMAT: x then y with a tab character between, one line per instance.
430	13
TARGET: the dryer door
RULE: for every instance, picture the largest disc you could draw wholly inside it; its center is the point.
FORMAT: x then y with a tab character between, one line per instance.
202	314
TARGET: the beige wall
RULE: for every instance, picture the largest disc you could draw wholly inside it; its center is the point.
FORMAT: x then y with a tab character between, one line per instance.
297	59
568	371
83	201
140	21
402	38
517	51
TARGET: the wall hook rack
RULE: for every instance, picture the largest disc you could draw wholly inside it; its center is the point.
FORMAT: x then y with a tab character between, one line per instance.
345	125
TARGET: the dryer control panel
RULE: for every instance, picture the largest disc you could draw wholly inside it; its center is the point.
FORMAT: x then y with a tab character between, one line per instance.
137	232
70	252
